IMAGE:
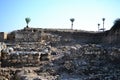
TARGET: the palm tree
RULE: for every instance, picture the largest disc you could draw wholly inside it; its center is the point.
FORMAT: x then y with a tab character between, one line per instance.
98	26
72	20
103	19
27	21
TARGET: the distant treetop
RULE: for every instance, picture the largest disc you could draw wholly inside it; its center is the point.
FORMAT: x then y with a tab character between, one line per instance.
72	19
116	25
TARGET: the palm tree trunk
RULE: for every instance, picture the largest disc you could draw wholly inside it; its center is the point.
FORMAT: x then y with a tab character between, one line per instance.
72	26
103	26
27	26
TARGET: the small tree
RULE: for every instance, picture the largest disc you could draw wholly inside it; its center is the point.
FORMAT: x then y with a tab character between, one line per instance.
27	21
98	26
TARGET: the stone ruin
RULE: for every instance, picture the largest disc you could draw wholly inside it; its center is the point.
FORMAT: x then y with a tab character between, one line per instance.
20	57
59	55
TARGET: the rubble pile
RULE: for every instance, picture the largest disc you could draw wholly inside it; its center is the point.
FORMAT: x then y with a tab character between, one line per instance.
62	62
86	62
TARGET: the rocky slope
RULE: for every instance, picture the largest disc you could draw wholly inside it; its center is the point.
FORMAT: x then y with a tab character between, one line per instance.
73	62
86	62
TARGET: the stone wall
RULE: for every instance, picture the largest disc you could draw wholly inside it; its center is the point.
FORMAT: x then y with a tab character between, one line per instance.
86	37
80	37
2	46
3	36
22	59
63	36
54	35
27	36
112	38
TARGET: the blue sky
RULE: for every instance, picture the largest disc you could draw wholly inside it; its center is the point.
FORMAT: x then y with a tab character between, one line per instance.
56	14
